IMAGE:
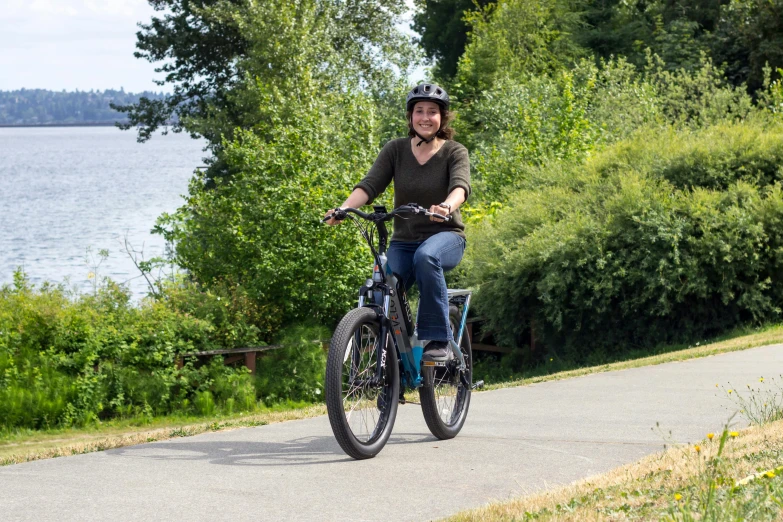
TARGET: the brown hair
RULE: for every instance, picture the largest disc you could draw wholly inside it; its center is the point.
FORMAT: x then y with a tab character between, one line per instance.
446	117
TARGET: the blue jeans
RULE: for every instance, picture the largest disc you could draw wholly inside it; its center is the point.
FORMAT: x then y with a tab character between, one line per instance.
425	262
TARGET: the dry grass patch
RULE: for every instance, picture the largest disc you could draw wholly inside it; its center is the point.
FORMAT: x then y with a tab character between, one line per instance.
770	335
59	445
679	484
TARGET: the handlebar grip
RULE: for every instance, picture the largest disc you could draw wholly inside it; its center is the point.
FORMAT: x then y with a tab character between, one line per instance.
441	217
339	214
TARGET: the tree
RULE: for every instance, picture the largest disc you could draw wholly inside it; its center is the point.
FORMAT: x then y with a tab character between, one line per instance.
743	35
443	31
518	38
749	36
290	107
210	50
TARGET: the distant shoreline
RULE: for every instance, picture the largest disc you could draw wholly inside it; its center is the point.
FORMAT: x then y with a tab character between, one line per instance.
95	124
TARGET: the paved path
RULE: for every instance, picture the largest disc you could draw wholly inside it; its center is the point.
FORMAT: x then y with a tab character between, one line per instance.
515	441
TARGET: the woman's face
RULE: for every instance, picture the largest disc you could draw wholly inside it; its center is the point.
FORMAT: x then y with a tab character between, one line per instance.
426	118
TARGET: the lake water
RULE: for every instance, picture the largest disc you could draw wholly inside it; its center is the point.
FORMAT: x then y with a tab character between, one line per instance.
66	189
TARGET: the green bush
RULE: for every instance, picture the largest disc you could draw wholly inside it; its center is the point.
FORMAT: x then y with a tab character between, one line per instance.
294	373
610	255
714	158
72	360
235	318
523	122
261	230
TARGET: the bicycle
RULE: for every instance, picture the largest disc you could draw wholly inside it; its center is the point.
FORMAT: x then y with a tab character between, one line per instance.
375	354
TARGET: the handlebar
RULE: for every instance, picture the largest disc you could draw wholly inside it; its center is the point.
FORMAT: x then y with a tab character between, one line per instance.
411	208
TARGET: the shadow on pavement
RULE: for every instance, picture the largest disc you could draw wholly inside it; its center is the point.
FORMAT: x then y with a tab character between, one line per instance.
302	451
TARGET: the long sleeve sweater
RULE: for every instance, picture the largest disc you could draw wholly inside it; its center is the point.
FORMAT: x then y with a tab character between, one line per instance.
427	185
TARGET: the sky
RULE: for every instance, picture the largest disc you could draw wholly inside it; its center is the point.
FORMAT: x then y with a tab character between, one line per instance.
74	44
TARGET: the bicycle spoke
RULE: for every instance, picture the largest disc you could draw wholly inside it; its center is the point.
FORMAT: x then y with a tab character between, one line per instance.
360	398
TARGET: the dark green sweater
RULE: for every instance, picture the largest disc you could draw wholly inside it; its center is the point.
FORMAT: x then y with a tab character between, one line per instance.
427	185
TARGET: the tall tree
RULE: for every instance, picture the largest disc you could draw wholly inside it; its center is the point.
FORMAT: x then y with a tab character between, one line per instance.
443	31
748	37
288	94
210	50
743	35
518	38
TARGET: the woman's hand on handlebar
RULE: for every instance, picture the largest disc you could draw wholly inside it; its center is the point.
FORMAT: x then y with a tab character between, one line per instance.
440	211
332	218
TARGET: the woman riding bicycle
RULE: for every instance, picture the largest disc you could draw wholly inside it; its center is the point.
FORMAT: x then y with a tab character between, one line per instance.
430	169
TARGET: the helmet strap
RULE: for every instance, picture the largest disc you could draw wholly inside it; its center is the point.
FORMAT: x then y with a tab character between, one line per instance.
423	139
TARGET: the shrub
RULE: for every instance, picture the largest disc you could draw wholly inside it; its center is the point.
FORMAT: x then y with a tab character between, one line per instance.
713	158
611	255
260	229
522	122
71	360
294	373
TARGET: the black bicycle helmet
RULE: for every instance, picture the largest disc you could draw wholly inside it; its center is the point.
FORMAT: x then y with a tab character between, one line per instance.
427	92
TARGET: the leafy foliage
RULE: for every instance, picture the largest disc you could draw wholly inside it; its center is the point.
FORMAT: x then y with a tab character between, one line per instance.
742	34
214	53
73	361
611	255
525	122
294	373
516	38
444	32
261	228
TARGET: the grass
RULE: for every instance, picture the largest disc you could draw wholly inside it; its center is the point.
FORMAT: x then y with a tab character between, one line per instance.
731	342
728	476
28	445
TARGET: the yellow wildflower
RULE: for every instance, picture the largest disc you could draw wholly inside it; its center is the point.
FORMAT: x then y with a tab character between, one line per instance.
697	448
677	496
733	434
710	435
730	390
761	379
770	474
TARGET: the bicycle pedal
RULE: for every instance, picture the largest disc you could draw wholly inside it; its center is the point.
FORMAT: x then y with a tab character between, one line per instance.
477	384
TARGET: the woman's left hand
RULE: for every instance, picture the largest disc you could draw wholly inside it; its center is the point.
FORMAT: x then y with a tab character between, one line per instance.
436	209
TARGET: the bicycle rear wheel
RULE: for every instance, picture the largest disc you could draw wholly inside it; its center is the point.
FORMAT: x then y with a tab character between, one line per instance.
361	409
444	396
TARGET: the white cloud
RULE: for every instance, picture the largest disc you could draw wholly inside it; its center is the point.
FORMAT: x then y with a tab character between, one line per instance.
73	44
52	8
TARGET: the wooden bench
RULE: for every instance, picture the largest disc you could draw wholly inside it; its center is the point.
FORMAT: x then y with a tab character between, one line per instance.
248	354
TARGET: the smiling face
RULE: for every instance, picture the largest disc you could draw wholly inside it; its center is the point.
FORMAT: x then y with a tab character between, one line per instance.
426	118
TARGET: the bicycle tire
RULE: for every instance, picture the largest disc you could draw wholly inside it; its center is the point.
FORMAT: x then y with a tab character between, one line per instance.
361	414
444	397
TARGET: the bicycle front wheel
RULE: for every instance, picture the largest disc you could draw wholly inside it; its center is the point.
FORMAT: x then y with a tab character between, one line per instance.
444	396
361	407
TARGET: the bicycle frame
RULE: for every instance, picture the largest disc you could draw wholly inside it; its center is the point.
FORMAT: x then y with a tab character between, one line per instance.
385	293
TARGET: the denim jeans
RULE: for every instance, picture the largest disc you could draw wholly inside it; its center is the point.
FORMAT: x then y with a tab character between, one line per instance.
425	262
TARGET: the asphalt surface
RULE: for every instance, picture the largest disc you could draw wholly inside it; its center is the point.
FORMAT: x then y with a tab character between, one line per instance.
515	441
